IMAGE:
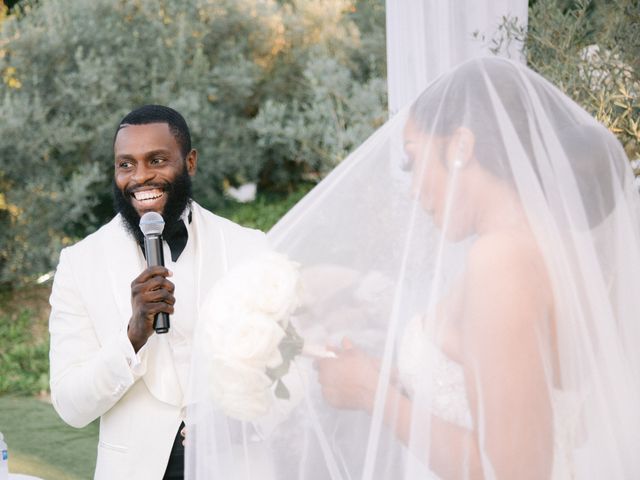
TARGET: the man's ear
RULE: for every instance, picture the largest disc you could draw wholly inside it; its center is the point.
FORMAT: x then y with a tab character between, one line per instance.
460	148
192	162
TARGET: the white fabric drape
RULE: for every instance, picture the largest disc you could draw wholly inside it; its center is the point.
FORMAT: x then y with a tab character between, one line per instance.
426	38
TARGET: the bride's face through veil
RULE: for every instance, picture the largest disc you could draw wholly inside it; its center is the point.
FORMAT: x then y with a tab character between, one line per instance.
446	176
429	173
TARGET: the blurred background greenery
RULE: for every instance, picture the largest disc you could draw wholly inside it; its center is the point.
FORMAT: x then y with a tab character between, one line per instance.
276	92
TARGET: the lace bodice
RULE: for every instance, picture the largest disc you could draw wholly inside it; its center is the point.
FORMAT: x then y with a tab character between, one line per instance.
419	358
426	372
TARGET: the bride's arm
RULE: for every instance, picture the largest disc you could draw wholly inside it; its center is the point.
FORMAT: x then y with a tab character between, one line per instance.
508	390
350	382
508	356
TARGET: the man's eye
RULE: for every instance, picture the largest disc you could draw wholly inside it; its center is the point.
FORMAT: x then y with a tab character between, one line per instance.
157	160
124	164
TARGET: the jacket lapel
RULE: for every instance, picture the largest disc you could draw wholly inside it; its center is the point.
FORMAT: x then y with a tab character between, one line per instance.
211	251
121	263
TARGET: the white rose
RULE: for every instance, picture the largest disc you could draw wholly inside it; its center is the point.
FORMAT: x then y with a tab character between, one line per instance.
253	339
268	283
239	391
244	321
227	301
217	316
277	291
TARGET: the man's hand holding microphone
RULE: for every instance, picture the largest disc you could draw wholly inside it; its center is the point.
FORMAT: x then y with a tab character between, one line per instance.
152	297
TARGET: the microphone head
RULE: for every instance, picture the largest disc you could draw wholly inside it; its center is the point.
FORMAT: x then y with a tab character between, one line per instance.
151	223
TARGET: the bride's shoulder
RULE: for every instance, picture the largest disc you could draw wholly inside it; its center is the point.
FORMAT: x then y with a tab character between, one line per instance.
506	282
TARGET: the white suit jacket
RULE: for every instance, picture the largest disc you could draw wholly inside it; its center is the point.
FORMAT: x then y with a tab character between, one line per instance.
91	375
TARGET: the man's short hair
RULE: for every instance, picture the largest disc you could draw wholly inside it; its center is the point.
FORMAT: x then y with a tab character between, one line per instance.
161	114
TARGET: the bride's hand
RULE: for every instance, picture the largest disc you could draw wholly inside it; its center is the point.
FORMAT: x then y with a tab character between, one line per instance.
349	381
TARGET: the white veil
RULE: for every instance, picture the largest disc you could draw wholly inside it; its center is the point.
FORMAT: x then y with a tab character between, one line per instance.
426	38
473	265
486	292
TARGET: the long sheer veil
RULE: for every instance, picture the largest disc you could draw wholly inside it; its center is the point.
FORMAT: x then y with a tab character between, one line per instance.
473	266
485	283
426	38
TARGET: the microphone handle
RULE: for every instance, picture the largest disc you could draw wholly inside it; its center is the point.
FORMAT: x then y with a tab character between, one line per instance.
155	257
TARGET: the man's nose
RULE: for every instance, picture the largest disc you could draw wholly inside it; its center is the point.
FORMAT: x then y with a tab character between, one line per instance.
142	174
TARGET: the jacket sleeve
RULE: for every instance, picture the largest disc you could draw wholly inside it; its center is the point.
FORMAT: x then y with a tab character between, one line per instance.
87	377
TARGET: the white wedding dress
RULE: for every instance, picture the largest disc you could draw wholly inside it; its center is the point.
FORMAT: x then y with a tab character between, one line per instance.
420	358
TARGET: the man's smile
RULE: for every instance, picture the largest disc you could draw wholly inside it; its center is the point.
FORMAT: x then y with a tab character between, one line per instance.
148	197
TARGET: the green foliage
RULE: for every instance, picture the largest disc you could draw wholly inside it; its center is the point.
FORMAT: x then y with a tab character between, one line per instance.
309	135
72	68
266	210
290	347
589	49
275	91
24	356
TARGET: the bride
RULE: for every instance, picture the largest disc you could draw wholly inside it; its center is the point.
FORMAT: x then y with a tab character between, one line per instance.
472	266
493	379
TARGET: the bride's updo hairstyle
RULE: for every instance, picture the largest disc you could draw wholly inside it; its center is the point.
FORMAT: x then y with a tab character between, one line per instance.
496	100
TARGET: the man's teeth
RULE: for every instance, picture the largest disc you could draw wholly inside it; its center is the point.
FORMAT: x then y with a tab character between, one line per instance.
147	195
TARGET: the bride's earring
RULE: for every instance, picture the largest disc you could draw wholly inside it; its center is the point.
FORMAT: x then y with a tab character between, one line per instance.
460	150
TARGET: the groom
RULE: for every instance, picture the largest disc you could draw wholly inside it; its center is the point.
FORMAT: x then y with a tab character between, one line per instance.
106	360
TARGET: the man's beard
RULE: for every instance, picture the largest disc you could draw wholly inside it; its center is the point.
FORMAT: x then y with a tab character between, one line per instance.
178	197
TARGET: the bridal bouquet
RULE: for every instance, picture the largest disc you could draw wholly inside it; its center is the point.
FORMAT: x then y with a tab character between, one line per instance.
249	339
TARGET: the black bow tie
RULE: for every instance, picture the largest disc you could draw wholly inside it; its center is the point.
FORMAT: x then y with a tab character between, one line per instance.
176	240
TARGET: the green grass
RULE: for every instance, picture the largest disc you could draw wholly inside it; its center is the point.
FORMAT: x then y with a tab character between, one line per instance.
24	341
41	444
24	356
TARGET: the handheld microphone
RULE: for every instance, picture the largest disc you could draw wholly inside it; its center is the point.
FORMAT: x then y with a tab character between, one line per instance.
152	225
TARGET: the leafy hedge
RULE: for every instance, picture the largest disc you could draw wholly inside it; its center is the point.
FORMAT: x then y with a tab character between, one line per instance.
589	49
24	355
274	91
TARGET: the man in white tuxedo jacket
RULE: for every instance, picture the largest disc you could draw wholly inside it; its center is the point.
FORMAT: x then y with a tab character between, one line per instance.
106	360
